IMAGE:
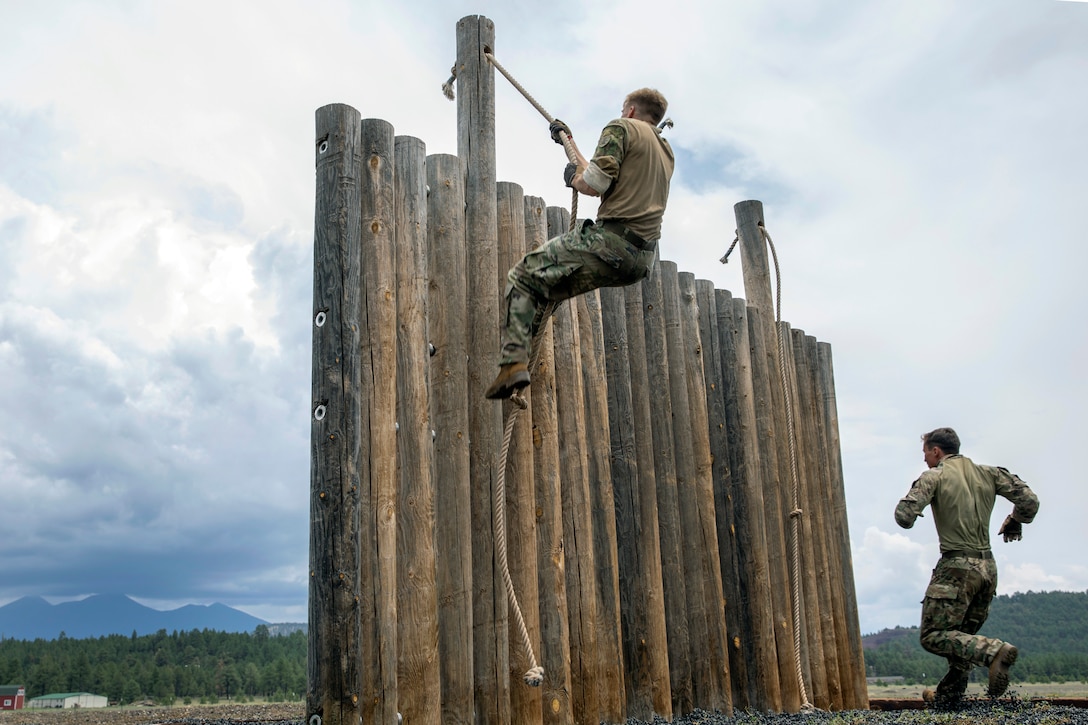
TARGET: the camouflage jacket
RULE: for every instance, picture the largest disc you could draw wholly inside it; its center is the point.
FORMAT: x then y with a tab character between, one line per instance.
962	495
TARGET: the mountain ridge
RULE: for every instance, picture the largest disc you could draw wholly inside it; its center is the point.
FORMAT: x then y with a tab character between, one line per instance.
101	615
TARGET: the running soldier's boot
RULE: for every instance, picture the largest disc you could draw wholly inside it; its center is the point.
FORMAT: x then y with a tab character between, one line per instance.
511	378
951	688
999	669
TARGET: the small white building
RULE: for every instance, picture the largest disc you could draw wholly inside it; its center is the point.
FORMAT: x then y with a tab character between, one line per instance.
67	700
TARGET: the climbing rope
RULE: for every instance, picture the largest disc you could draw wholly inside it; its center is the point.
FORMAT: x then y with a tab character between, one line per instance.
725	257
535	674
795	513
568	142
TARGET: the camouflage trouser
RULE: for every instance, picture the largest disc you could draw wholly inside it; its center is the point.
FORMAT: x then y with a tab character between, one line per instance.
956	605
566	266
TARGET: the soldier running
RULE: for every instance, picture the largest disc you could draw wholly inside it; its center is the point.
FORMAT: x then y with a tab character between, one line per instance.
964	582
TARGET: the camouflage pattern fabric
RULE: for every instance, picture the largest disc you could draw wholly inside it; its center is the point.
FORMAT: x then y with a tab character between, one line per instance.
956	606
566	266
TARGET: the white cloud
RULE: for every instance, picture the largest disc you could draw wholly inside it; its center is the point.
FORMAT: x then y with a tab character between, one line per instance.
890	576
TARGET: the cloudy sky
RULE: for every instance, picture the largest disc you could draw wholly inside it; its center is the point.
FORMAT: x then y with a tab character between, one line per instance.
922	166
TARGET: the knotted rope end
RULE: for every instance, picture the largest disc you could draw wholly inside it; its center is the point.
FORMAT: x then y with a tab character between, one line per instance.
447	87
535	676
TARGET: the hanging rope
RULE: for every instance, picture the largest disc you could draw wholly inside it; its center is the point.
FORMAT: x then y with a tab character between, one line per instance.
535	674
568	142
795	513
725	257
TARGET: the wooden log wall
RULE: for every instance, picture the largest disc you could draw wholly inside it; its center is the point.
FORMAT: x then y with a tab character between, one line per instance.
649	491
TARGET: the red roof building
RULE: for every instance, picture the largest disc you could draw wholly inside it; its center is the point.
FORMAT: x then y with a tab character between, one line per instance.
12	697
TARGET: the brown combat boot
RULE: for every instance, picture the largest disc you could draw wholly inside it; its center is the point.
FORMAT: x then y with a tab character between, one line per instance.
511	378
999	669
951	688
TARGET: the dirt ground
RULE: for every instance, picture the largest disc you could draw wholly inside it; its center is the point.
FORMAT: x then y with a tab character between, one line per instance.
1024	691
292	712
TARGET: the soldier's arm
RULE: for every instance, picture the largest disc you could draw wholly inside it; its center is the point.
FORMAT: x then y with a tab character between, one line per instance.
604	169
910	507
1010	486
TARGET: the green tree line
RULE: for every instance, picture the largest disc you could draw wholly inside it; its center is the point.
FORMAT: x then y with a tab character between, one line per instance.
1049	628
196	666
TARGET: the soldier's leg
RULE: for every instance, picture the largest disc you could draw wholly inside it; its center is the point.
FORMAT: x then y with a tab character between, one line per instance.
979	609
952	590
953	685
518	329
580	261
566	266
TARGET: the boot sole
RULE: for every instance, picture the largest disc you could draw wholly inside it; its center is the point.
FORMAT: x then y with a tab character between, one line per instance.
999	679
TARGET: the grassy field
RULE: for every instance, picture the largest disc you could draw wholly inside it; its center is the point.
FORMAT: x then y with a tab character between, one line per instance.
1024	691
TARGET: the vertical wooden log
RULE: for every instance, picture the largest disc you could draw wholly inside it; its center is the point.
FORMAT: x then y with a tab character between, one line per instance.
668	505
520	494
705	689
827	541
715	648
577	515
860	698
775	508
476	148
646	647
418	679
337	406
624	470
609	657
554	621
764	691
816	509
757	288
379	351
800	537
448	327
716	390
753	254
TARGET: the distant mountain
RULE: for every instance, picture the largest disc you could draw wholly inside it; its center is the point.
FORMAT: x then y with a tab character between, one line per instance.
100	615
286	628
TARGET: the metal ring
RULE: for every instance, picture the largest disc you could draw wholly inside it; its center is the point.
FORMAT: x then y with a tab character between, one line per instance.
322	148
319	412
320	319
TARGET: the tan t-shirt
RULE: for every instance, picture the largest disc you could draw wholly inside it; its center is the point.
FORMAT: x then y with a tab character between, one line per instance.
639	161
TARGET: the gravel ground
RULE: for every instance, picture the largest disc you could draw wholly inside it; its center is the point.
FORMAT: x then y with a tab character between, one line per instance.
980	712
983	712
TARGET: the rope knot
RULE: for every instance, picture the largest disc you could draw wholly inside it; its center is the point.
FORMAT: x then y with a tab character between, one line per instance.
447	87
535	676
796	513
519	400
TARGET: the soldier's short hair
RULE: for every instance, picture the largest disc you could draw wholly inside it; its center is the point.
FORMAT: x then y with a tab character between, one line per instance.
648	102
944	438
